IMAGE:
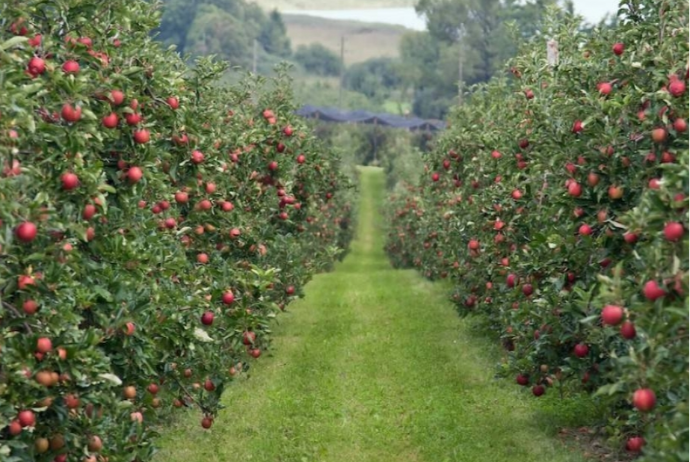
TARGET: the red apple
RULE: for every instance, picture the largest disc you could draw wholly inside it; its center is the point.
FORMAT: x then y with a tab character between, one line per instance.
207	318
134	174
674	231
522	379
88	212
538	390
585	230
618	49
141	136
110	121
26	418
70	67
574	189
26	231
248	338
44	345
676	88
680	125
652	291
173	102
36	66
635	444
197	157
228	298
604	88
69	181
30	307
612	315
581	350
628	331
116	97
70	113
644	399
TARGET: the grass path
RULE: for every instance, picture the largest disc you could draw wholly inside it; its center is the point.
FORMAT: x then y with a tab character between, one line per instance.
373	366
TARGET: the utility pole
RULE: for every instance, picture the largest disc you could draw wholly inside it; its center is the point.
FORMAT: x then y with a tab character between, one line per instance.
256	46
461	59
342	70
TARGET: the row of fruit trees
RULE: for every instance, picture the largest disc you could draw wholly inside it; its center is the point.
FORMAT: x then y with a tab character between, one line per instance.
153	222
557	204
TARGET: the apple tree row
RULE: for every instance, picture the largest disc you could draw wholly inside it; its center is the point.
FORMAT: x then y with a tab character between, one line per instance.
152	224
557	204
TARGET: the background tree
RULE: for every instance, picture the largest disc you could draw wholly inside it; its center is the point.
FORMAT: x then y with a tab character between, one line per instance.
273	36
318	59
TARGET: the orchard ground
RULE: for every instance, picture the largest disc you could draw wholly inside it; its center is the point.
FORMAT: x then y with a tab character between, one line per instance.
375	365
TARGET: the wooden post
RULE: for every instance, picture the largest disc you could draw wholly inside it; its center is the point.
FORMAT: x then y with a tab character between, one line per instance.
552	53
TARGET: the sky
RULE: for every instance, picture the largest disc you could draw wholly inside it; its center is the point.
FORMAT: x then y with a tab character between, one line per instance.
592	10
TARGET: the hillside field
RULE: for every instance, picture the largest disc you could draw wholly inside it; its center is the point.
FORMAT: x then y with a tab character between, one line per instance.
362	40
339	5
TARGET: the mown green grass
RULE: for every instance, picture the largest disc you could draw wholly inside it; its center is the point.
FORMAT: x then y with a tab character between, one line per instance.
374	365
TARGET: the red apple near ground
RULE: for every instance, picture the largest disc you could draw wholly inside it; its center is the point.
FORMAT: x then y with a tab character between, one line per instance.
538	390
635	444
206	423
248	338
522	379
207	318
228	298
618	48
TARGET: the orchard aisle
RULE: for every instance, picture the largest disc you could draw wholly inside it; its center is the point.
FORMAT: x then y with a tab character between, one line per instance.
374	366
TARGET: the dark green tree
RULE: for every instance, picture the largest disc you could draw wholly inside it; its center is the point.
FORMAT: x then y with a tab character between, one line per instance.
318	59
273	36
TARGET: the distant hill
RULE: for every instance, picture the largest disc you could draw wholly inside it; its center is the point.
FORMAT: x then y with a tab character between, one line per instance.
331	5
362	40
